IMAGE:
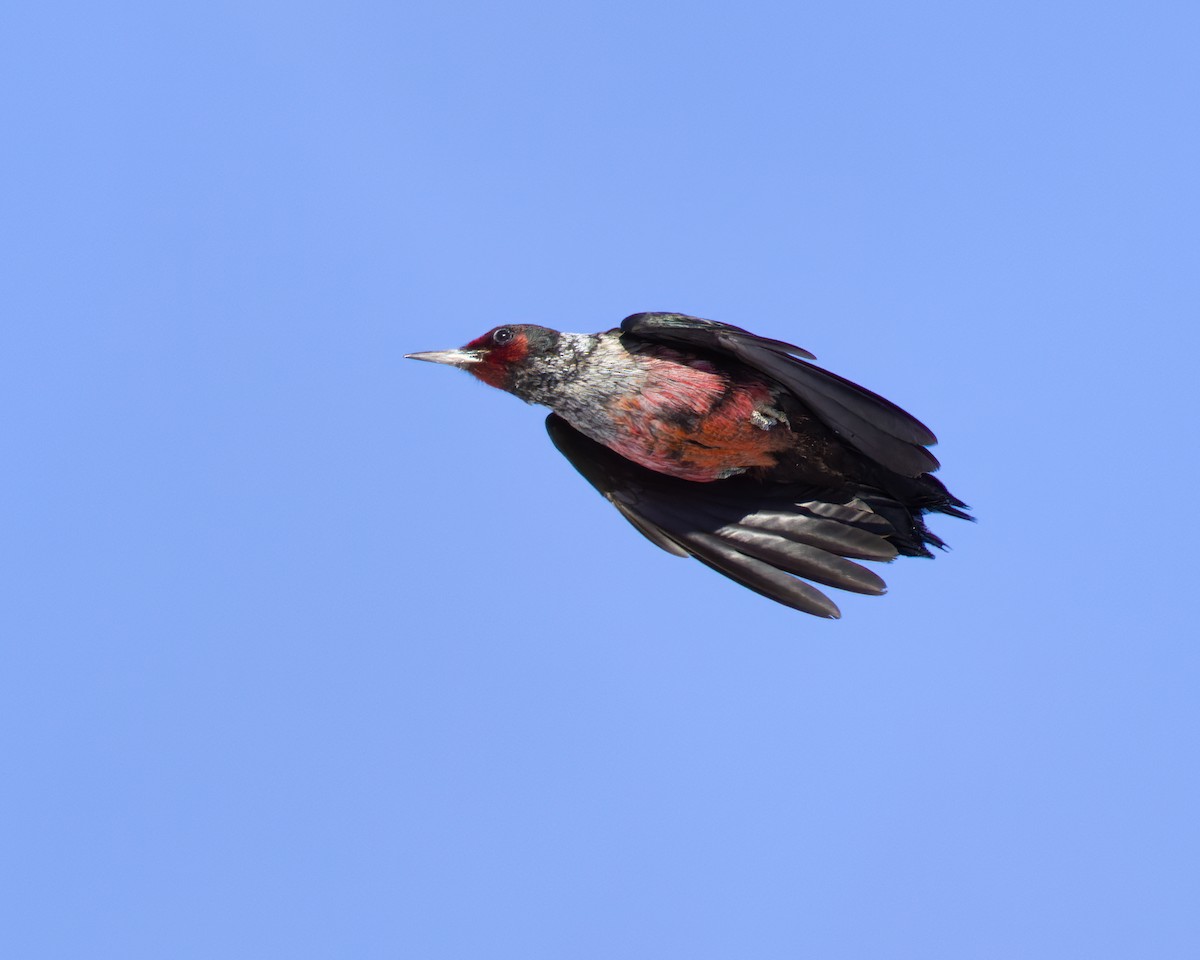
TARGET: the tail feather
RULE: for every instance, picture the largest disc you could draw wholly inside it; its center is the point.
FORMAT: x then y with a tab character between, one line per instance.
904	502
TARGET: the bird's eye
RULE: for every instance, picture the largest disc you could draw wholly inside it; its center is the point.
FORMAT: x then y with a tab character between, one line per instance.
502	335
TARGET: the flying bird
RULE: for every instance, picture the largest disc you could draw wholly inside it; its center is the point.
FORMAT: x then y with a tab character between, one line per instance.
729	447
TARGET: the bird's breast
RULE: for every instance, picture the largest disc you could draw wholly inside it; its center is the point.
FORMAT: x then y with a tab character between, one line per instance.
686	418
732	438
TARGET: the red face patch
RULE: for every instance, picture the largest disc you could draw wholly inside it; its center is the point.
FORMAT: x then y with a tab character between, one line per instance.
500	349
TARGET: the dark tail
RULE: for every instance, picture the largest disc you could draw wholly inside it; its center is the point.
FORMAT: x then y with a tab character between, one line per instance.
904	501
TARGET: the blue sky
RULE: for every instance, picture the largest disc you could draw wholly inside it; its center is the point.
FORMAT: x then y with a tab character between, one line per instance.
310	652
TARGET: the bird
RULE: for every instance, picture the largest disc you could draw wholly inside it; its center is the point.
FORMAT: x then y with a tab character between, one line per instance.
731	448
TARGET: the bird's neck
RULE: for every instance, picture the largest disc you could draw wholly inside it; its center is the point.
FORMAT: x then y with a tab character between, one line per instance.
586	370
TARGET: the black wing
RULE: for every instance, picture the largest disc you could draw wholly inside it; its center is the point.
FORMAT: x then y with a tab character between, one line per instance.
865	420
764	536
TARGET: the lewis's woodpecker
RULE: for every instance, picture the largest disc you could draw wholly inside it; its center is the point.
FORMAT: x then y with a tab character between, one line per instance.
729	447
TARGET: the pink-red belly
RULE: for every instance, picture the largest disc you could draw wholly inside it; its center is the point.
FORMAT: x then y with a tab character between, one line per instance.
715	448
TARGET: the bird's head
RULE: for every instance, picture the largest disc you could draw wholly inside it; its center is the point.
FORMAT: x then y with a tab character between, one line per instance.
504	357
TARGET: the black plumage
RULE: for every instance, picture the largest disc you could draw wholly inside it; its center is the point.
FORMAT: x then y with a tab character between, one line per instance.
771	535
